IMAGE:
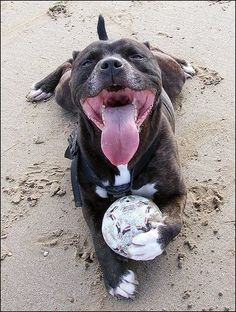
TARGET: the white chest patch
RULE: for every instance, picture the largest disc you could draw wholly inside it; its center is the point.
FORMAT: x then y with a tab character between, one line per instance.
101	192
124	176
146	191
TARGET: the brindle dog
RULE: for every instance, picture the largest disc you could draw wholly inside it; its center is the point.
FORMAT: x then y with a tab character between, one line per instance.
122	92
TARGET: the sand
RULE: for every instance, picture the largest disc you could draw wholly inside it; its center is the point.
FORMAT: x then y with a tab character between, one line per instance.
48	262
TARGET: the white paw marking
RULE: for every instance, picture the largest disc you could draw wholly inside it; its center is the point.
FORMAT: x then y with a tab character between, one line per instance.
147	190
124	176
187	76
37	95
33	86
145	246
41	96
127	286
101	192
189	69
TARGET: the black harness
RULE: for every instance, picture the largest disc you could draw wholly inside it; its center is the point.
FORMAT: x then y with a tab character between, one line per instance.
79	162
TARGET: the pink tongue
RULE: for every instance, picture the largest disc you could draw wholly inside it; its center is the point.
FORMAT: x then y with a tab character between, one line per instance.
120	138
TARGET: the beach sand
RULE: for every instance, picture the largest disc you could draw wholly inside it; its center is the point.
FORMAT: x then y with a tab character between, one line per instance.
48	261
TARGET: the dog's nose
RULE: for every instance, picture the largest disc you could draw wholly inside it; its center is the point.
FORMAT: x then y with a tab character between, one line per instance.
111	64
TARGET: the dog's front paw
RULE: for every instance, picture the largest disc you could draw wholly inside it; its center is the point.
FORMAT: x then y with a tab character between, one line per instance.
188	70
149	245
38	93
126	286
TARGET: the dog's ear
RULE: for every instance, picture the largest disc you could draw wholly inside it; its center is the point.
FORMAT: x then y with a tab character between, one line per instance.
147	44
75	54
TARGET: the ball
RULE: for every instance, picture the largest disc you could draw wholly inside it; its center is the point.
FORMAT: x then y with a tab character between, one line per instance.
127	217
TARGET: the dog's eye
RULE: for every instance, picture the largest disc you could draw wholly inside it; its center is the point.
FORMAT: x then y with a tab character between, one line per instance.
87	62
136	57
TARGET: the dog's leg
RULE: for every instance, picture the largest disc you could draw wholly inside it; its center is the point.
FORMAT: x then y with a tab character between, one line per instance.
45	88
174	71
170	197
147	246
119	281
186	66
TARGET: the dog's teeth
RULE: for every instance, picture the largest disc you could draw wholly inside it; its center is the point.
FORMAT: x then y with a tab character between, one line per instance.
103	109
135	108
135	113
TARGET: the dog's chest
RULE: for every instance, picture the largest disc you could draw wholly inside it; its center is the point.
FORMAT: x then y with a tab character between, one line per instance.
147	189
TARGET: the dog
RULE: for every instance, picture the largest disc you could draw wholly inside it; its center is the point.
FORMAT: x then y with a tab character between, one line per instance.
122	91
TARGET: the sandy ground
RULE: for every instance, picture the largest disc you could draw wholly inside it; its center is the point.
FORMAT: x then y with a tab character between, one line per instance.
47	255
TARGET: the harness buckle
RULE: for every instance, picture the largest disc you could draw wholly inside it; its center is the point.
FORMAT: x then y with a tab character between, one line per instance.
73	147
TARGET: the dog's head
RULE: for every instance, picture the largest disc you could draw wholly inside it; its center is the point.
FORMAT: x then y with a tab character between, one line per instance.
116	84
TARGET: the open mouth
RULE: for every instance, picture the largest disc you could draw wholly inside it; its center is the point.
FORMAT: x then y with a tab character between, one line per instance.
118	97
119	112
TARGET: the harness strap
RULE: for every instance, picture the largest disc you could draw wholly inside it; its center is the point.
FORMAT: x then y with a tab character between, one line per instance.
72	152
118	191
75	182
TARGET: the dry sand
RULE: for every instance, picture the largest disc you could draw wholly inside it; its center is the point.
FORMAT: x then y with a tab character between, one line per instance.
47	255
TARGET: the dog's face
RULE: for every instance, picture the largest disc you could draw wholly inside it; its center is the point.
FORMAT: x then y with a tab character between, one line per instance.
116	84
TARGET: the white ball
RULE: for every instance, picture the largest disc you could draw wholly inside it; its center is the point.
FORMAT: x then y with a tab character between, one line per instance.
127	217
